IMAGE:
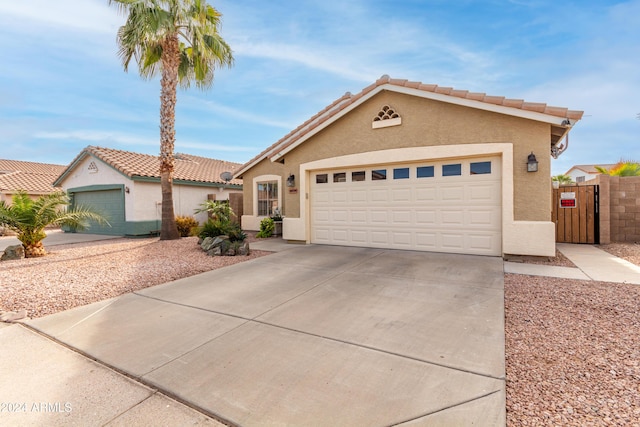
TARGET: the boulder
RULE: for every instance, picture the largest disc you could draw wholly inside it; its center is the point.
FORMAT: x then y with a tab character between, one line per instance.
13	252
244	249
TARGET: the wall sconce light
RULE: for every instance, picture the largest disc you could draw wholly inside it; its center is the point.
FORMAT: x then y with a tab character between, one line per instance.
126	190
291	181
532	163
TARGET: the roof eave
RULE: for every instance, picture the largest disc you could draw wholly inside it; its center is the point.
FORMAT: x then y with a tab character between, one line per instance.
501	109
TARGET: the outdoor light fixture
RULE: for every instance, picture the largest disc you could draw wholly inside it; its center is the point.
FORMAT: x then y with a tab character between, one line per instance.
291	181
532	163
126	190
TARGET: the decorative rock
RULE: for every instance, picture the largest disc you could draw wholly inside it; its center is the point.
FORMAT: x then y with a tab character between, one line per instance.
207	244
12	316
231	252
244	249
13	252
214	251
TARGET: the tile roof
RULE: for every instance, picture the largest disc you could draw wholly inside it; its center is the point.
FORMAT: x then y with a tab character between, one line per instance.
592	168
349	99
34	178
187	167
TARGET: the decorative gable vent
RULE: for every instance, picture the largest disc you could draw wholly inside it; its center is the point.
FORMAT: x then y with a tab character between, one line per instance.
92	168
387	116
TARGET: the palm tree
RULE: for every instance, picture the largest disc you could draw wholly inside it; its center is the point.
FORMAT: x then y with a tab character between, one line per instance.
179	40
562	179
622	168
29	217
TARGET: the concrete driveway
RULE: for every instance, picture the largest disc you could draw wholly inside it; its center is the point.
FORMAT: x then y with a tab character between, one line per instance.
314	335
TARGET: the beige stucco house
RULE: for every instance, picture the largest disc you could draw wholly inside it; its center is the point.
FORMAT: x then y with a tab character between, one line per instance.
125	187
405	165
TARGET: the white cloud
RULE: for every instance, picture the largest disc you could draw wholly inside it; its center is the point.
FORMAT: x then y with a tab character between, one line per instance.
89	16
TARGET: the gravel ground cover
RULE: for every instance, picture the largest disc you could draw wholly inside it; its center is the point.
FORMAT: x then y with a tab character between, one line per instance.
572	352
79	274
572	349
628	251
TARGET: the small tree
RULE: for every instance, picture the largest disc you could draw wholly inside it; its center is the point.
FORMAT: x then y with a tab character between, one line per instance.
622	168
28	218
562	179
218	210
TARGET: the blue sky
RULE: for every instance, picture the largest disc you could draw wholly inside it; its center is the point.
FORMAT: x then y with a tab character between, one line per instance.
62	86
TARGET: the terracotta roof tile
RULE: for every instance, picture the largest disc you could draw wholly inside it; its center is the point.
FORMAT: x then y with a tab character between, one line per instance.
32	177
348	99
187	167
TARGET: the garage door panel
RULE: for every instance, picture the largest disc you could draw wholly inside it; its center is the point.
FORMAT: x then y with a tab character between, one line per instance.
379	217
401	194
340	236
359	216
402	217
426	217
340	216
380	195
452	193
359	196
380	237
459	214
426	194
359	237
339	196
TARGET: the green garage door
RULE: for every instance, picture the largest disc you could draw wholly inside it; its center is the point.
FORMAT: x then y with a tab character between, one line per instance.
110	204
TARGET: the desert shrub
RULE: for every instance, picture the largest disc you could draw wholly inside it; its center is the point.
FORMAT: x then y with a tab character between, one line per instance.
235	233
185	225
217	210
214	228
266	228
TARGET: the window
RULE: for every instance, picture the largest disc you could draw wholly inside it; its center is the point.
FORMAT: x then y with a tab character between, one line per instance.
480	168
357	176
425	171
401	173
340	177
580	179
452	170
379	174
322	178
267	197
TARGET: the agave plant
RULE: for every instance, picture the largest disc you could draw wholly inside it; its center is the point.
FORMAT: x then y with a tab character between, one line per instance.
29	218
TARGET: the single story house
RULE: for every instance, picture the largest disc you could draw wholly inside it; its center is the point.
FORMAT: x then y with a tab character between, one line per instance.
125	187
406	165
582	173
36	179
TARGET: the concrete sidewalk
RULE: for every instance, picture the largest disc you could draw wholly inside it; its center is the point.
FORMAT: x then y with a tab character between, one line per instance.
46	384
591	264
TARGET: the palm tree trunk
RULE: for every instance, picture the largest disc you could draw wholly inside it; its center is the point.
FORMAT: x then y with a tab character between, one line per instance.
169	83
34	250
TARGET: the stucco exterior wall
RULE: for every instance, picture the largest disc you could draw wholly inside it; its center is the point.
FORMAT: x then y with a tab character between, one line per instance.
424	123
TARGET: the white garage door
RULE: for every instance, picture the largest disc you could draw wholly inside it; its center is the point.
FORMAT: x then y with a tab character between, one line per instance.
440	206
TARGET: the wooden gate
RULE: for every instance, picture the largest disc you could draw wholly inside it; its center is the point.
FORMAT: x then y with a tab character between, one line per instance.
576	214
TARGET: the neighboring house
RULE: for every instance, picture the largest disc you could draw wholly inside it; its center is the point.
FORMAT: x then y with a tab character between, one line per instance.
36	179
582	173
406	165
125	187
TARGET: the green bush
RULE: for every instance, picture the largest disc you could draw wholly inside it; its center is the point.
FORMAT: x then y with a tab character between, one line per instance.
185	225
266	228
213	228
